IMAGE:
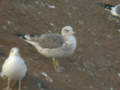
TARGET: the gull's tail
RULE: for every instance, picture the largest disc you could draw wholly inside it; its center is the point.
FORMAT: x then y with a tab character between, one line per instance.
107	7
21	35
24	36
29	38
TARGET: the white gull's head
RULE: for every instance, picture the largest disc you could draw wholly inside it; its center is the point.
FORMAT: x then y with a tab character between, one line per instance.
67	30
15	51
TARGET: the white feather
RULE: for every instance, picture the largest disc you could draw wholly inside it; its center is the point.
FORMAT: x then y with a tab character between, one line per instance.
14	67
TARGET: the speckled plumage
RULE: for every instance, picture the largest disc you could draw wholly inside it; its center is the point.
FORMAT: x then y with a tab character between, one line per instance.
52	44
49	40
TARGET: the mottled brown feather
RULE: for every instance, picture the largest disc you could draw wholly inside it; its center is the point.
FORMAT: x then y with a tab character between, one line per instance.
49	40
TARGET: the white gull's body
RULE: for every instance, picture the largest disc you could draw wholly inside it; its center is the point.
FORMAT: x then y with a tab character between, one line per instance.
14	67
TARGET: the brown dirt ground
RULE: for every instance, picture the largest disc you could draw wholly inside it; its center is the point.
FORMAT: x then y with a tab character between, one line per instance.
96	63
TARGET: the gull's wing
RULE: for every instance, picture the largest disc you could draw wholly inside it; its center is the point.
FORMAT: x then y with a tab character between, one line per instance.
50	40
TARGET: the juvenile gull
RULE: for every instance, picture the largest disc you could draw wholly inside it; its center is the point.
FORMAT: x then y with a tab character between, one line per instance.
14	67
53	44
113	9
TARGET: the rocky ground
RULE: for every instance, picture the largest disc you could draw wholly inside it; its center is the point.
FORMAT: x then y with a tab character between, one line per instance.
95	65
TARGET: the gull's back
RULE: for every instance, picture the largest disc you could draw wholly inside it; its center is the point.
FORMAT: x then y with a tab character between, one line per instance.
50	40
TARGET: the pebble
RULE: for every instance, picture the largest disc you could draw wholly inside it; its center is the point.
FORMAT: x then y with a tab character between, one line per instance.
47	77
51	6
111	89
69	14
4	27
118	74
36	2
118	30
39	85
9	22
81	22
52	24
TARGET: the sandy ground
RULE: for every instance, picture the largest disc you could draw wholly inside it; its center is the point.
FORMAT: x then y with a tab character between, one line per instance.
95	65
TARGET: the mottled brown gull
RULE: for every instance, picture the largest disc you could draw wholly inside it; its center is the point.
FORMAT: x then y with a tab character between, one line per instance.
14	67
53	44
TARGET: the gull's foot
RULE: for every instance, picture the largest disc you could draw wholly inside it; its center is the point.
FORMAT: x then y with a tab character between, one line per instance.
60	69
57	66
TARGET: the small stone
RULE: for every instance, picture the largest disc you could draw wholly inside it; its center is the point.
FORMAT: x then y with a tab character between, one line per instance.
47	77
9	22
4	27
51	6
118	74
109	36
52	24
69	14
118	30
91	86
35	74
39	13
39	85
81	69
36	2
81	22
111	89
117	21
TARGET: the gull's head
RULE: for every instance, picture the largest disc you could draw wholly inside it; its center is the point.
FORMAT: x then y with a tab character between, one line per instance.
67	30
14	51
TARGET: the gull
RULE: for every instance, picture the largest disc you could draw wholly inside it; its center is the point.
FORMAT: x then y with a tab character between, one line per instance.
53	45
14	67
113	9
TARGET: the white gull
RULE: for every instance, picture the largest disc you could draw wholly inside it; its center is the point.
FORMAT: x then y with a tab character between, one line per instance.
14	67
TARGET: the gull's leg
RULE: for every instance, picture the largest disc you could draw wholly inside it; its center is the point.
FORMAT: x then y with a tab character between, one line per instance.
19	88
8	87
57	65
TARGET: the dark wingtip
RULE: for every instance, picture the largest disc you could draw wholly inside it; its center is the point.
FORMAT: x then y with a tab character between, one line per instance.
108	5
21	35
